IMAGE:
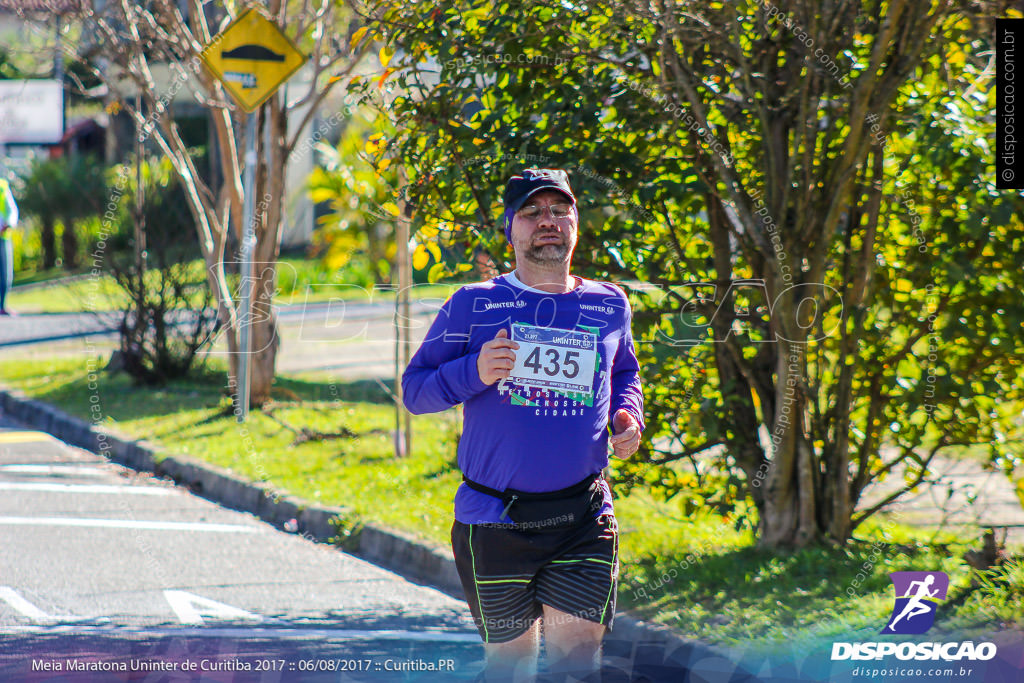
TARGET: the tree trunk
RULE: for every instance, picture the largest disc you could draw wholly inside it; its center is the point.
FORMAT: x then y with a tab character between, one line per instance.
265	339
743	443
69	245
265	344
48	238
791	495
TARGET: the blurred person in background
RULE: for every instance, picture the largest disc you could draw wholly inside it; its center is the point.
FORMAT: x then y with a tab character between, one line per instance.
8	221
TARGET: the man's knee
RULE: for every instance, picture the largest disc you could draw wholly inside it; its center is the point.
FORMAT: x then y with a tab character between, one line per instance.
514	660
524	644
572	638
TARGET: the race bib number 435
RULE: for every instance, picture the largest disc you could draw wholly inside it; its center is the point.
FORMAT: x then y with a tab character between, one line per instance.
551	358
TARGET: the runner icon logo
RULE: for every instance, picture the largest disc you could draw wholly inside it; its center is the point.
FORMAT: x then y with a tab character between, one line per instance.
917	596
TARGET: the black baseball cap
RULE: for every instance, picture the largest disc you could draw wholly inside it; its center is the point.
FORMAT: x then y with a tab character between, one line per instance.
533	180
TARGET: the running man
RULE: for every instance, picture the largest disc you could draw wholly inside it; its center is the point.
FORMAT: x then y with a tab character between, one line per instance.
544	363
915	606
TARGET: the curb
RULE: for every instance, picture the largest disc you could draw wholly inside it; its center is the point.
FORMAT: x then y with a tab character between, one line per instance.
398	551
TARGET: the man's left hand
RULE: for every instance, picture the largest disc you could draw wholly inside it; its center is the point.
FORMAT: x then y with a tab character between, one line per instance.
626	434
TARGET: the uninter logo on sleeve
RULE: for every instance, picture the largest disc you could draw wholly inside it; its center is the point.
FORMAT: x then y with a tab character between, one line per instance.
607	310
917	595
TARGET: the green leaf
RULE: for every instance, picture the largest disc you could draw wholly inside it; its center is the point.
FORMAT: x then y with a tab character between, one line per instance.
436	272
420	257
357	37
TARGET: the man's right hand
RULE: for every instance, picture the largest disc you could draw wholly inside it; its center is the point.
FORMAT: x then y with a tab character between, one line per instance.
496	359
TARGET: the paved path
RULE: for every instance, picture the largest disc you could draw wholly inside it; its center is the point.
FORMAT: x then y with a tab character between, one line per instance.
962	496
350	340
40	328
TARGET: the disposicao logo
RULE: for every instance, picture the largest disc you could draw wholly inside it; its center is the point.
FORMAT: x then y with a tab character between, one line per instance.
913	613
917	597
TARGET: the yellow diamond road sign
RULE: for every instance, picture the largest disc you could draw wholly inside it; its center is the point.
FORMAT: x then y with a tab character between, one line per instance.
251	58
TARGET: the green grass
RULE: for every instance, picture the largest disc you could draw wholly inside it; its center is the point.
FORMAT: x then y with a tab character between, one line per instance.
300	280
699	573
725	592
27	277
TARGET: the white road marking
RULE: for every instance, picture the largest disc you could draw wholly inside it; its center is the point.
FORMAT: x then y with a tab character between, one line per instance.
84	488
185	606
14	599
76	470
254	632
128	524
26	608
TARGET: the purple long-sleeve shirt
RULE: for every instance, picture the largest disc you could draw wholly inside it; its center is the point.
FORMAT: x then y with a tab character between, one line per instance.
547	428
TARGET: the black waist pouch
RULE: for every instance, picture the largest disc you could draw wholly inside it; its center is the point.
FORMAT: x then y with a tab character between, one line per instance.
559	509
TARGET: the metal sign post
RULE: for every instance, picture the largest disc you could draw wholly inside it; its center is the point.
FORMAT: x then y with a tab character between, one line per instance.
403	353
245	269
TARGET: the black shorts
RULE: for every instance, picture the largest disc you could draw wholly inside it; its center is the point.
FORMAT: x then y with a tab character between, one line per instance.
508	574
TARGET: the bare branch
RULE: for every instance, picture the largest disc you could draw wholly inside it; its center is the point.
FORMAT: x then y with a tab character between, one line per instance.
857	519
690	452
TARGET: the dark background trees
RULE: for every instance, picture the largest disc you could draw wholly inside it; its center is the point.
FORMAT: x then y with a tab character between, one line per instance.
64	191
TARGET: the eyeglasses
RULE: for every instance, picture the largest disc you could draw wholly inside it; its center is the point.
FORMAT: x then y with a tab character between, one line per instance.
534	212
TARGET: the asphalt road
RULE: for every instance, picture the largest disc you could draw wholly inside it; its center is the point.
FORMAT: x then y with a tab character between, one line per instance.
102	564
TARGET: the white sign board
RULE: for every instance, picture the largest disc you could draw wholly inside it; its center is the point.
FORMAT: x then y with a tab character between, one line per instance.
31	111
551	358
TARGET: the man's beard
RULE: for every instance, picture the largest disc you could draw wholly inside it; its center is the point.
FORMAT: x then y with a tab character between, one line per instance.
546	254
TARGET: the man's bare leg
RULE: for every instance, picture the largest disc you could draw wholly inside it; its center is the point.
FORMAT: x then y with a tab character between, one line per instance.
573	644
516	660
